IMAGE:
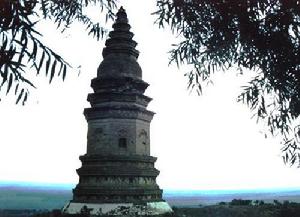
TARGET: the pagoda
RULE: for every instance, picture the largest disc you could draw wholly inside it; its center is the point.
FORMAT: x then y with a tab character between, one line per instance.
117	171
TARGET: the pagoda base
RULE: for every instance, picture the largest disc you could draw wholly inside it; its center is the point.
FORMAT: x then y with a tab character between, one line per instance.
123	209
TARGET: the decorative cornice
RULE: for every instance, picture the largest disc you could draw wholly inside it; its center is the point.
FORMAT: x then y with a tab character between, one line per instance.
120	113
108	97
117	158
116	171
121	84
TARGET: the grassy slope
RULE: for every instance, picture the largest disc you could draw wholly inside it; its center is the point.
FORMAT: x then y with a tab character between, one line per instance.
268	210
227	211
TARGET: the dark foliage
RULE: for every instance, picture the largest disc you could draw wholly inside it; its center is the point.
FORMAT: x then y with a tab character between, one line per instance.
286	209
262	36
240	202
290	210
20	44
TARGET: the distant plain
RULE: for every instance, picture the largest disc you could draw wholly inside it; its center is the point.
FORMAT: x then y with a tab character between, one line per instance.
51	196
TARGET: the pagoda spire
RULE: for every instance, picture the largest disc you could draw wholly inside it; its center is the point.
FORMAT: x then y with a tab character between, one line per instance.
120	47
121	16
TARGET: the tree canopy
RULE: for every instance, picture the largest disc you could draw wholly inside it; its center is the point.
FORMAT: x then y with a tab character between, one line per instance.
262	36
21	47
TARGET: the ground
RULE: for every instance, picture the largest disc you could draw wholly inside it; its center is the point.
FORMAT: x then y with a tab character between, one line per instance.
231	209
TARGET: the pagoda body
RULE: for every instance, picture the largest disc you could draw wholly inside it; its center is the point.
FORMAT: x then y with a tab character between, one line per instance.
117	170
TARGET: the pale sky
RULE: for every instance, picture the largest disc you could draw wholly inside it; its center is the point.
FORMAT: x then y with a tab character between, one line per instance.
202	142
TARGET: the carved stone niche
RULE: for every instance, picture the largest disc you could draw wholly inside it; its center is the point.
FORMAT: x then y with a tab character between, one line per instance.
143	136
143	142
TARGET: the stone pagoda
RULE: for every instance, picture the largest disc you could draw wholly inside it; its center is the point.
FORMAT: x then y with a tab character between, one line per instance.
117	170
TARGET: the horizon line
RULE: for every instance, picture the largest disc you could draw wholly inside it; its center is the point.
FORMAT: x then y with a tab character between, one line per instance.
7	183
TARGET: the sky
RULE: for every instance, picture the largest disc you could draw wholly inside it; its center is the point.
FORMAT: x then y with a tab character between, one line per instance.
206	142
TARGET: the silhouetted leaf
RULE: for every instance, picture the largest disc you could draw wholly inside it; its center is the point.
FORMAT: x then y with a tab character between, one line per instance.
25	98
20	96
47	65
52	71
64	72
16	88
4	75
41	63
10	80
34	51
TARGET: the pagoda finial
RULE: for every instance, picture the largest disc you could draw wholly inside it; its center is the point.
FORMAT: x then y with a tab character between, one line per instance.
120	39
119	54
121	16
